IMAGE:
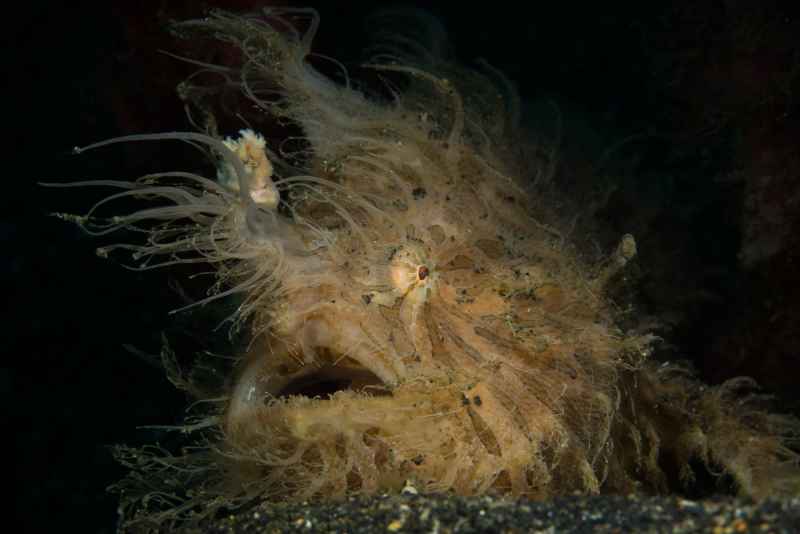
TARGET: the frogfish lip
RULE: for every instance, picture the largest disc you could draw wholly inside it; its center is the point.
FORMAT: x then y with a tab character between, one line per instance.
321	359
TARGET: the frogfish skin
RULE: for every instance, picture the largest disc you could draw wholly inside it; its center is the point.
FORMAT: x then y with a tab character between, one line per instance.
413	311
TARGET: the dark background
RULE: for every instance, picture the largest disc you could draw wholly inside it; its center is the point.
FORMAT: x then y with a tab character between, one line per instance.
708	184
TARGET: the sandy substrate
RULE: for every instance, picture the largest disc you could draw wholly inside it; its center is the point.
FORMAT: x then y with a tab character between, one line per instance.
445	514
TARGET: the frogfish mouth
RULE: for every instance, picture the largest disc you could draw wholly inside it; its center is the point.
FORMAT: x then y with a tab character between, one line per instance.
414	309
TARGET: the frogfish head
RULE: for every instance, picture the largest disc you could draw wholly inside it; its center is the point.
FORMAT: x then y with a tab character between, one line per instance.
414	312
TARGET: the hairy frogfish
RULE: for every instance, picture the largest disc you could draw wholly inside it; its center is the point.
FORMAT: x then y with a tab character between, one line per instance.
411	306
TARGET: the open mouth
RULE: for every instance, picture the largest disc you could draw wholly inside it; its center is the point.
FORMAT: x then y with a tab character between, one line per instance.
321	427
322	381
279	377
